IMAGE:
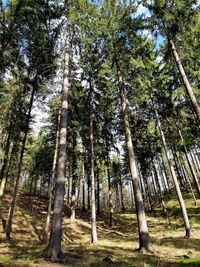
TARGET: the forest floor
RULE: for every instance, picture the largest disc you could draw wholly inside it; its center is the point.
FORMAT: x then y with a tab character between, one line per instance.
119	243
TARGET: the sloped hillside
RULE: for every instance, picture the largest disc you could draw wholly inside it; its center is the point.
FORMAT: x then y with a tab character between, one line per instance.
116	247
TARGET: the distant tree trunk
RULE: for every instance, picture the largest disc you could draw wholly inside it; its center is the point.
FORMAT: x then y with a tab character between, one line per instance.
186	83
160	193
69	180
74	179
53	249
165	186
196	182
109	189
173	175
83	186
177	168
91	136
98	193
52	181
187	178
8	228
195	163
144	238
88	192
5	162
121	187
118	203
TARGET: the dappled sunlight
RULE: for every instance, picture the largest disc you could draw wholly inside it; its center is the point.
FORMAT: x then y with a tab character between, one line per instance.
120	242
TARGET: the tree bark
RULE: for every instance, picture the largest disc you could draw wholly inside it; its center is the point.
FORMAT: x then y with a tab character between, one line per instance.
186	83
91	136
74	179
173	175
144	238
53	249
52	182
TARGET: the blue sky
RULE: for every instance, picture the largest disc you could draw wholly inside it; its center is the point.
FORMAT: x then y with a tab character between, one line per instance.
5	2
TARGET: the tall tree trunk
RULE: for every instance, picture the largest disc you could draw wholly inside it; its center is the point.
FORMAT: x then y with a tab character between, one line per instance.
98	192
173	175
88	192
109	188
186	83
52	181
8	228
74	178
83	186
144	238
91	136
53	249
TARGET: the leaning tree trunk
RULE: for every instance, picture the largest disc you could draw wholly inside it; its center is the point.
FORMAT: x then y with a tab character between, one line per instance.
186	83
187	179
144	238
93	204
53	249
173	175
8	228
51	186
165	213
195	178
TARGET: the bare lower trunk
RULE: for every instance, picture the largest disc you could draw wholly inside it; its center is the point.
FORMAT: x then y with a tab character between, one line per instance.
98	193
186	83
83	186
94	230
109	194
173	175
144	238
53	249
51	185
74	179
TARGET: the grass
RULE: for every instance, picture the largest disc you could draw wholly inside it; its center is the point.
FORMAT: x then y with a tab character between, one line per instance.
119	244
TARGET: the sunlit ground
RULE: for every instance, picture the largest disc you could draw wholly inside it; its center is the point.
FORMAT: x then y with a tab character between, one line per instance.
118	244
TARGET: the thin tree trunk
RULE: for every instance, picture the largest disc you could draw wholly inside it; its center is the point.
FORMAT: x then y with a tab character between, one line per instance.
165	213
187	178
144	238
186	83
88	192
8	228
194	161
53	249
91	136
196	182
98	193
173	175
74	179
109	190
83	186
51	185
